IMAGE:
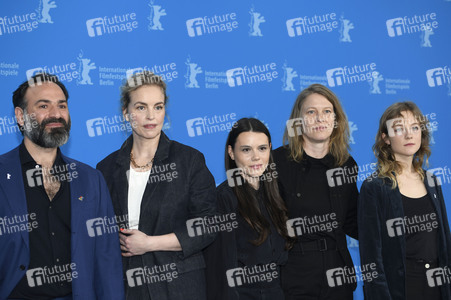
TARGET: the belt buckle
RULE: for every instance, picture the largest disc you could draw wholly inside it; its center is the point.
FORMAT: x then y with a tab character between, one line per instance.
322	244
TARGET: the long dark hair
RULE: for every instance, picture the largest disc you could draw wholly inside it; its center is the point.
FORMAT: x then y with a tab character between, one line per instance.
247	201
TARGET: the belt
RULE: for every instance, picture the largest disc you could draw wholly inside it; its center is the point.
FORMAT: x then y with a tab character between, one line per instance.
321	245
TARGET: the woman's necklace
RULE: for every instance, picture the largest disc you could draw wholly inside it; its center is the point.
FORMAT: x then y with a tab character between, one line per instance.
138	166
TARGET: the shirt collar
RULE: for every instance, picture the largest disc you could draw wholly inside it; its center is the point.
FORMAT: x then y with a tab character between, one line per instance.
26	158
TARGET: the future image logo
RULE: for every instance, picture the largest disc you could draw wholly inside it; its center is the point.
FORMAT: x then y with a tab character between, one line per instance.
110	25
438	276
211	25
51	275
252	74
108	125
422	24
29	21
409	225
106	225
63	72
311	25
348	275
309	225
234	177
209	125
438	76
341	175
438	176
153	274
212	224
252	274
350	75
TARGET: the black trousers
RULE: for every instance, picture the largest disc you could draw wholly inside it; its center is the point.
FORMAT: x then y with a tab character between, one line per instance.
304	276
417	287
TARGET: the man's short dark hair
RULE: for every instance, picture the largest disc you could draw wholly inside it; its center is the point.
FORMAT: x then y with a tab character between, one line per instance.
37	79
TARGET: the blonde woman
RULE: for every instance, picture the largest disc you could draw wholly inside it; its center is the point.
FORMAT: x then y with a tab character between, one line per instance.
317	179
402	219
158	202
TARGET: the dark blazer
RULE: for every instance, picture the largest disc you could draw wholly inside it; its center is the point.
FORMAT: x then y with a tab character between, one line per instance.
97	258
222	254
378	202
343	198
165	208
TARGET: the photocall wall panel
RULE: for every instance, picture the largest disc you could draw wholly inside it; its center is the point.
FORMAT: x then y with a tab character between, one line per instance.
224	60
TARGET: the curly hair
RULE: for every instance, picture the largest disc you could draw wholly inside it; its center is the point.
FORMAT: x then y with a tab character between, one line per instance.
387	166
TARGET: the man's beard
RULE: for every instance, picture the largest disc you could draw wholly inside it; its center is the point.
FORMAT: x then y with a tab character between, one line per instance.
37	133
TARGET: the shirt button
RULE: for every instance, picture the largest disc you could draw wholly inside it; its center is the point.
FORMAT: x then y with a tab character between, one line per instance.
427	266
37	166
298	195
22	267
53	233
57	260
50	206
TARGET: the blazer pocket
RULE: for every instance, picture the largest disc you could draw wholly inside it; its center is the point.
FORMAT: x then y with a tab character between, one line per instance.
194	262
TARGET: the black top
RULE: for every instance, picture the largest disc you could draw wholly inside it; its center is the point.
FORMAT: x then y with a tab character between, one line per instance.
268	252
231	250
321	191
50	236
314	205
421	227
311	187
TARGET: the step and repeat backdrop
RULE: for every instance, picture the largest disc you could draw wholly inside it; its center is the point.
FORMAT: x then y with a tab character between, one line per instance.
224	60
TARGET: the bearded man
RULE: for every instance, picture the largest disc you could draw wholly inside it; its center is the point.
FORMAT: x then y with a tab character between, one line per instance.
53	209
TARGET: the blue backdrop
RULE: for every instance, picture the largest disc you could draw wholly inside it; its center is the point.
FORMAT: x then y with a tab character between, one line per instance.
224	60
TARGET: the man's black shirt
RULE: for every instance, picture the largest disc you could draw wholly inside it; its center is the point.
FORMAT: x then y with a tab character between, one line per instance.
50	240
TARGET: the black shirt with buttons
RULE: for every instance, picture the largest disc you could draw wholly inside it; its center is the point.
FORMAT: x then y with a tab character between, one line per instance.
272	250
50	240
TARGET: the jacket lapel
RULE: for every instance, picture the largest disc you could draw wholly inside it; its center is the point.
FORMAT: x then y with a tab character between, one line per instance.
395	203
11	182
121	177
159	160
121	174
78	204
430	184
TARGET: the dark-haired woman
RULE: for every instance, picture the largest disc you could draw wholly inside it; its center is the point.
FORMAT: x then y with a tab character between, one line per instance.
159	184
317	178
402	218
244	263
